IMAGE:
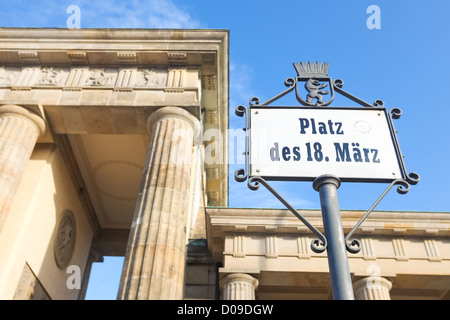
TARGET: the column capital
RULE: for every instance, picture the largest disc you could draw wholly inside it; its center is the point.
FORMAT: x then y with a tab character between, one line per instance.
373	288
177	113
239	277
15	110
238	286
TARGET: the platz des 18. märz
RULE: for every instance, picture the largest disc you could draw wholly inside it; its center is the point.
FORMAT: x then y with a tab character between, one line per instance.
343	152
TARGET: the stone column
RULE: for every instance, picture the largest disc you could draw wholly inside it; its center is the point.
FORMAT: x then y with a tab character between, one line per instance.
372	288
155	257
19	130
238	286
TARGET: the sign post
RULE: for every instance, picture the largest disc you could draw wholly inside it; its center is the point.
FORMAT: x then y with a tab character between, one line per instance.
341	282
327	146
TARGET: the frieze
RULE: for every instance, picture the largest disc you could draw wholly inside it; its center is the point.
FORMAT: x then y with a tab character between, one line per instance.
79	77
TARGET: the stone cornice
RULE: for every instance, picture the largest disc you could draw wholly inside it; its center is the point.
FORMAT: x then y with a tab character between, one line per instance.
126	34
229	220
110	46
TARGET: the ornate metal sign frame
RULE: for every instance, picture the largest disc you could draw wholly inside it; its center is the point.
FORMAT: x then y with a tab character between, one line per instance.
315	78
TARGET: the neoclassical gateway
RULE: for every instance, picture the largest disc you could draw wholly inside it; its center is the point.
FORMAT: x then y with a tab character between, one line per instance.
114	143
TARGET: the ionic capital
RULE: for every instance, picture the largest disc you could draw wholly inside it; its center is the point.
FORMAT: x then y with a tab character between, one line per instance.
175	113
18	111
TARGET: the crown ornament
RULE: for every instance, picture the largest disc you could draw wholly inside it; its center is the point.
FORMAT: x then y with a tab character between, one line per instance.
311	69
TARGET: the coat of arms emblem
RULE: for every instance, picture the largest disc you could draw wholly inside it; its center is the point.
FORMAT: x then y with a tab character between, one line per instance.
315	76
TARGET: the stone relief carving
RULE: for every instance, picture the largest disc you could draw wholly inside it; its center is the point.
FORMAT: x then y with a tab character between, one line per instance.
99	77
6	77
49	76
64	242
153	78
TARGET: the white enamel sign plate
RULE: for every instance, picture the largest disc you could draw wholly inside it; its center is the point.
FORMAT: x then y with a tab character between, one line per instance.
354	144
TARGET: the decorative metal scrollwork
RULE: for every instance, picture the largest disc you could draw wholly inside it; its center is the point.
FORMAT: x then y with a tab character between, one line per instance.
253	183
254	101
240	111
403	187
338	84
240	175
395	113
318	245
289	82
378	103
413	178
354	245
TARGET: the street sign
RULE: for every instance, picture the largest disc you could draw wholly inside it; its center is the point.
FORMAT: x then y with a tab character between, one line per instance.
302	143
324	145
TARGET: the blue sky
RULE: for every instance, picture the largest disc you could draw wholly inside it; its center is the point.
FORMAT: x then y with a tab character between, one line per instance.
405	63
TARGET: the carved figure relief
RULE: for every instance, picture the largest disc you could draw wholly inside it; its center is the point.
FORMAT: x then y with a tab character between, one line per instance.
98	78
49	76
153	78
64	242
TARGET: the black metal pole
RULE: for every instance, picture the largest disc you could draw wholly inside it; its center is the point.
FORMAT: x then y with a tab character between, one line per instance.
341	281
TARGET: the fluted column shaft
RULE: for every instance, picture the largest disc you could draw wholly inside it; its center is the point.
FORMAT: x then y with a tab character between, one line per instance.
155	258
238	286
372	288
19	130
